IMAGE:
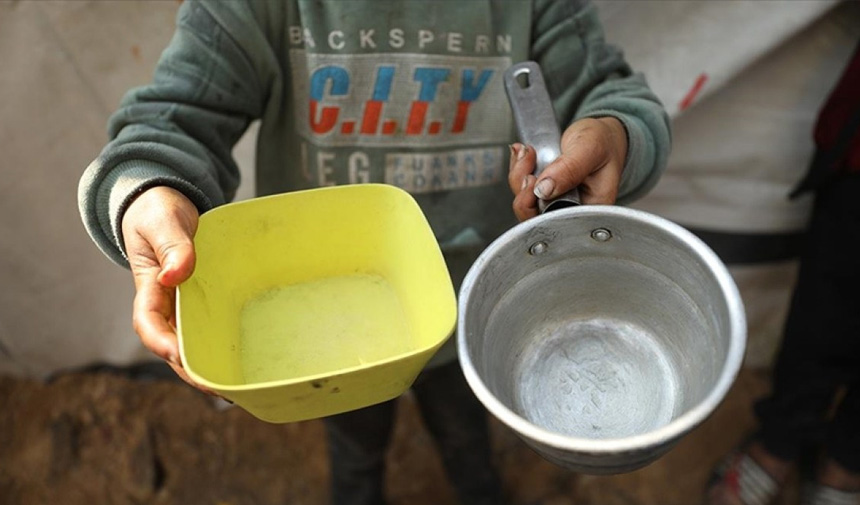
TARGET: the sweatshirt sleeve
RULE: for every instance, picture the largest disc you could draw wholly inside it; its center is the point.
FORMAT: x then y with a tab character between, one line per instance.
601	84
179	131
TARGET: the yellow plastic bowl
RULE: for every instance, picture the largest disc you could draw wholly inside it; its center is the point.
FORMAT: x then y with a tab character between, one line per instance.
312	303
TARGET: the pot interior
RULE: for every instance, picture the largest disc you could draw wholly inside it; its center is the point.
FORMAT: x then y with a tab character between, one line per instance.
596	339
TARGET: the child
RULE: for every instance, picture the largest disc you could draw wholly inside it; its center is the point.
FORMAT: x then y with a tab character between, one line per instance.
400	92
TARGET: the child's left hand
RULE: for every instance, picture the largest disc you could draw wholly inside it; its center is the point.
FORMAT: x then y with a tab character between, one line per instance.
593	151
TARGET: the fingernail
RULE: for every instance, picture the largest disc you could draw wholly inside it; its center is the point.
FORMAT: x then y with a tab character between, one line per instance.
513	151
544	189
166	268
173	359
525	183
522	152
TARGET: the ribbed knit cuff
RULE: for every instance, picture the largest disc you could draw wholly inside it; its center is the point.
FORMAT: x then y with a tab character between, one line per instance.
125	182
637	177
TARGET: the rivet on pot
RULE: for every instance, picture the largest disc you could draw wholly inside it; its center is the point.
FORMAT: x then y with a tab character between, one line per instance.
538	248
601	234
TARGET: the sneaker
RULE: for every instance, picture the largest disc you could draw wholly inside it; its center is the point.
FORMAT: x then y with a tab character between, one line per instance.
739	480
817	494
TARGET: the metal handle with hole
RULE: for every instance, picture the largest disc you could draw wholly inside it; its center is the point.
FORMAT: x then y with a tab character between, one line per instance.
536	123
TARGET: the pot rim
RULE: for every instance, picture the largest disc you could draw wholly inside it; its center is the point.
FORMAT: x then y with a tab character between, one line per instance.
665	434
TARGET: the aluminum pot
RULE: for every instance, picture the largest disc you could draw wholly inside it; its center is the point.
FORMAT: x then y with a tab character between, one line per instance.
600	335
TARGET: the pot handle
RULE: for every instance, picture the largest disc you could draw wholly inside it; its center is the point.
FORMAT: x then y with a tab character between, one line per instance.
536	123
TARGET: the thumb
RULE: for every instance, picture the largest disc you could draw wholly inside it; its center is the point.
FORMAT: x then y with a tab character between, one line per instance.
159	227
565	173
174	251
582	153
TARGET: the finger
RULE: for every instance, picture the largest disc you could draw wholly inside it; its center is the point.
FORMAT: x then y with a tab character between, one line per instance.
601	187
174	250
523	160
180	371
151	313
526	203
583	152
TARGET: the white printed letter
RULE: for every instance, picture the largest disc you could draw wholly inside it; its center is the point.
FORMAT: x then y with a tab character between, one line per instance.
396	38
482	44
366	37
503	43
296	35
358	168
454	42
336	44
324	170
424	38
309	39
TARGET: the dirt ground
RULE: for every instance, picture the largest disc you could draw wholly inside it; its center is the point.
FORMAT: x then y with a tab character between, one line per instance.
100	437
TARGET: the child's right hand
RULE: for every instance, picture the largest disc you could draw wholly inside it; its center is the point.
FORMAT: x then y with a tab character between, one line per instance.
158	228
593	154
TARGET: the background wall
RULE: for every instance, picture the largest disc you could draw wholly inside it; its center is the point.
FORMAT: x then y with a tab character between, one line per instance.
743	81
65	67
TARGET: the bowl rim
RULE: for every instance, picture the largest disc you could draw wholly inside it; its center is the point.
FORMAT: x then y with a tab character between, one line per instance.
413	354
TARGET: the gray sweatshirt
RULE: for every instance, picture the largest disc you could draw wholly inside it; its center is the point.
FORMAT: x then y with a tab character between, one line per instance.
407	93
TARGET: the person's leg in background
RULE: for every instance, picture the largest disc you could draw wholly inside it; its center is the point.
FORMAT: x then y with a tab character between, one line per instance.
838	477
840	473
816	358
357	442
459	425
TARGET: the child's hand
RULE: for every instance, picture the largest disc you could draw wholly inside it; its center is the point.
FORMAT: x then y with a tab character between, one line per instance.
593	152
158	228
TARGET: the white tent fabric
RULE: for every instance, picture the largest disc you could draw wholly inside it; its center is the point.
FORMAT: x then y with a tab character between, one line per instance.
763	69
742	81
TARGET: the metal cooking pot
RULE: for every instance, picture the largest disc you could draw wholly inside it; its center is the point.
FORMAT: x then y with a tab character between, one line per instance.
599	334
